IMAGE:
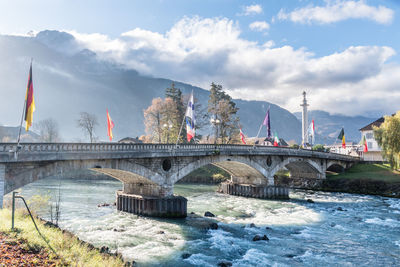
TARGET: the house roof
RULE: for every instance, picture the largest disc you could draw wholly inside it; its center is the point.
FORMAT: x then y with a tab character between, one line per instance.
376	123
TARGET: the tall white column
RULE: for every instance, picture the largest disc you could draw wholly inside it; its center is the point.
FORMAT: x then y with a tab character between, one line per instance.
2	183
304	127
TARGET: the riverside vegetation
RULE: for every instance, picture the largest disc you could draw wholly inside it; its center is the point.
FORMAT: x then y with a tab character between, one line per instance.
24	240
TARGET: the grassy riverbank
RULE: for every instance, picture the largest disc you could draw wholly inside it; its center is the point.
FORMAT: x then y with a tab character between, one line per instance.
70	251
372	172
372	179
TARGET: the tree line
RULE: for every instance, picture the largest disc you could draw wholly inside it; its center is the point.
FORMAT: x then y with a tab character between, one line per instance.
165	117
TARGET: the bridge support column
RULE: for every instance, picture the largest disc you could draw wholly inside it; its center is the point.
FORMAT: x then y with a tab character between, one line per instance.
2	183
164	207
255	191
271	180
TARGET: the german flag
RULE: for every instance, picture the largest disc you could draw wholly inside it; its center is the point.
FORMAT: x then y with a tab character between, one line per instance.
29	102
341	137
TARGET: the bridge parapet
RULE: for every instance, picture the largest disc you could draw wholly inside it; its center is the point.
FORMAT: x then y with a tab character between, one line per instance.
71	151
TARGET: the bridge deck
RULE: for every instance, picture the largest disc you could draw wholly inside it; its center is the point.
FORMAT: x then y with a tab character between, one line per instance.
29	152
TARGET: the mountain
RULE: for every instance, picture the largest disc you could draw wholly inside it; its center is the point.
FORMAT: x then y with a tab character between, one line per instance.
10	134
69	79
328	126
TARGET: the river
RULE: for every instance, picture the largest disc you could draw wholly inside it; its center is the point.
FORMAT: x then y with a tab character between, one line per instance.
336	230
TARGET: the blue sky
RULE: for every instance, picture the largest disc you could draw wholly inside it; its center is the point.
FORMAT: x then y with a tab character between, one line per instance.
264	50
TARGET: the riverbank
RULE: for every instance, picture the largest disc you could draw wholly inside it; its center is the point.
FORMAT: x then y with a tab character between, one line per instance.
366	179
371	179
27	248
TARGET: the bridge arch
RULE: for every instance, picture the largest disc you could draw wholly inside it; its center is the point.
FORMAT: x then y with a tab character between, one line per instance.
125	171
301	167
239	167
336	166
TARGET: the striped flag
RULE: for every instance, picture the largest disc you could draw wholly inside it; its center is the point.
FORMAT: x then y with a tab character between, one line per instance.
276	140
190	118
341	137
311	131
242	137
110	125
29	102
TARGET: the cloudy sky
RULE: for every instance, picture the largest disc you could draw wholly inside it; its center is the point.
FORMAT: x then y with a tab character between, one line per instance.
345	54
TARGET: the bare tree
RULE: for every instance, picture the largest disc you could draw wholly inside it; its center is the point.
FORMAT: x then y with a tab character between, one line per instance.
48	130
88	122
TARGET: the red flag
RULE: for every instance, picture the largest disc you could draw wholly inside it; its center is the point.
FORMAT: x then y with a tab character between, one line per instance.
110	125
242	137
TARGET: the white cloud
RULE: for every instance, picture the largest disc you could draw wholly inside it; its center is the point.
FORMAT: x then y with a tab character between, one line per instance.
259	26
252	10
199	51
339	10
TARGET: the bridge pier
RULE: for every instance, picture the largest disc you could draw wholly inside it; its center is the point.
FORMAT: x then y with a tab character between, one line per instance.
2	183
164	207
255	191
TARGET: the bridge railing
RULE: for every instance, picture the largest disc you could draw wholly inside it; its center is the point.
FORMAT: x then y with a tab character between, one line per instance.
121	147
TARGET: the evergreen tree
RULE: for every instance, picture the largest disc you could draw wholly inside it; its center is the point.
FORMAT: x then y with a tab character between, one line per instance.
222	108
176	115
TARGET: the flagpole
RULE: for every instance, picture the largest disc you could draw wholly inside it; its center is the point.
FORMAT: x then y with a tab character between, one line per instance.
180	131
183	120
20	126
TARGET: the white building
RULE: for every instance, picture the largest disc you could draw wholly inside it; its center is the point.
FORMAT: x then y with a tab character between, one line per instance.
374	151
351	149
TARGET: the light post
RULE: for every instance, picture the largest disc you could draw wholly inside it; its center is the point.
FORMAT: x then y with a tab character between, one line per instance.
167	127
215	122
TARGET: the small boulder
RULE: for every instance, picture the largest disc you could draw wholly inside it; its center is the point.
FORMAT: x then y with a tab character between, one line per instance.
192	212
339	209
333	224
224	264
290	255
252	225
268	228
310	200
185	255
208	214
104	249
213	226
258	238
160	232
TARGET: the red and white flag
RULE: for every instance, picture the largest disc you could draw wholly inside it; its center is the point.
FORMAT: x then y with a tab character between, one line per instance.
242	137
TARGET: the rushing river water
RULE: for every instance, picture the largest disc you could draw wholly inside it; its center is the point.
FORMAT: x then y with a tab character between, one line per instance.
337	230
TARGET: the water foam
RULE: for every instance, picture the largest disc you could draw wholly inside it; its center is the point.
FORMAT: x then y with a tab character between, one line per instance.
384	222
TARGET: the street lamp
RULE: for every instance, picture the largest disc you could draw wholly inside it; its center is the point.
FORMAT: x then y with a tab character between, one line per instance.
215	122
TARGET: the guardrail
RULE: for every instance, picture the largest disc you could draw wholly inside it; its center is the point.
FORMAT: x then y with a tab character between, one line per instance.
118	147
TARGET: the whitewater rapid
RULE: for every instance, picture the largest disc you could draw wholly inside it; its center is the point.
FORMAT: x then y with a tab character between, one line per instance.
336	230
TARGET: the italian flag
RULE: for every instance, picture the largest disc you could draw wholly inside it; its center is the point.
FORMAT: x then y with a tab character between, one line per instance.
276	140
364	142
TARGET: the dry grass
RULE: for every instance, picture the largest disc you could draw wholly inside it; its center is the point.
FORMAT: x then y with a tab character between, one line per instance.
70	250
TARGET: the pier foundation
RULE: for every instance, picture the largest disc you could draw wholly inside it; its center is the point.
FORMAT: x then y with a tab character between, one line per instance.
164	207
255	191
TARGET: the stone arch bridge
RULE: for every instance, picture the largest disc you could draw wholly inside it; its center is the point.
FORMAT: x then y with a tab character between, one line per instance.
151	170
